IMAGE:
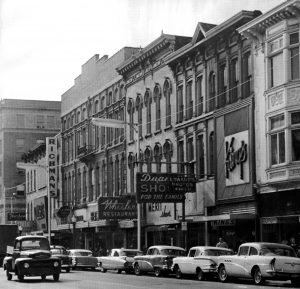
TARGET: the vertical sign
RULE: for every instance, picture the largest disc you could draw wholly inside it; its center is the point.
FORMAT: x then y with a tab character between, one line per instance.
51	157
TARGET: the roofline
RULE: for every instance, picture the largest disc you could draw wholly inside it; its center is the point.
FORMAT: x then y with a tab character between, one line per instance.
267	15
213	32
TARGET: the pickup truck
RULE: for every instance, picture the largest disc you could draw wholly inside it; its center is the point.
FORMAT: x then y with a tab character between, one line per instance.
31	256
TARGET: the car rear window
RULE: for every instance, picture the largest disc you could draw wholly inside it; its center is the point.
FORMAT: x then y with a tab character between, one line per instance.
215	252
277	251
130	253
82	253
172	252
58	251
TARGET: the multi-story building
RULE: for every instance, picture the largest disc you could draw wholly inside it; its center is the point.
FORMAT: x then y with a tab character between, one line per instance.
214	131
275	37
23	123
150	110
93	158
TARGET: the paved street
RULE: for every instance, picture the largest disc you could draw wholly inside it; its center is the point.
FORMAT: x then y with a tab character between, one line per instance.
111	280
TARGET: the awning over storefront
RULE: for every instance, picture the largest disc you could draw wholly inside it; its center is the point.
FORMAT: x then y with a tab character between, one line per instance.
220	217
170	227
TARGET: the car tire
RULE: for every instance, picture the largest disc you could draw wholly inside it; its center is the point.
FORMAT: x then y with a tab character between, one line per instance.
56	277
295	282
119	271
8	275
93	268
68	270
178	273
137	269
257	277
127	271
199	274
20	277
157	272
101	268
43	276
223	277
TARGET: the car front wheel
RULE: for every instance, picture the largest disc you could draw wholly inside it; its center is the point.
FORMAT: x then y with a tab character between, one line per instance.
137	269
43	276
257	277
157	271
200	274
178	273
21	277
56	277
223	274
8	275
68	270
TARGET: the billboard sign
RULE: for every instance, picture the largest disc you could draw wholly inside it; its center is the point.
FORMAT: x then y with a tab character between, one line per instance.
164	187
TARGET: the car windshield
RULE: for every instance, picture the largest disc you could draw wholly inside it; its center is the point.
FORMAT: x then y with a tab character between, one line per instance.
130	253
82	253
216	252
59	251
32	244
172	252
277	251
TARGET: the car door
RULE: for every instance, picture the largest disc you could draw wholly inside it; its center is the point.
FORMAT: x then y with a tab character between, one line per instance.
238	262
156	258
251	260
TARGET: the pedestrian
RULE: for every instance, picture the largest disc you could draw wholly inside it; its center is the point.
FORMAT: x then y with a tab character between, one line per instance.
222	243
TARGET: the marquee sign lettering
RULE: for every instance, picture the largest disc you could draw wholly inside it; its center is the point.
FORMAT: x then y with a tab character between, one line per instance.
235	157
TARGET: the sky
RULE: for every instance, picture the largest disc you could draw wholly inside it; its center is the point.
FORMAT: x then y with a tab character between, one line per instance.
44	43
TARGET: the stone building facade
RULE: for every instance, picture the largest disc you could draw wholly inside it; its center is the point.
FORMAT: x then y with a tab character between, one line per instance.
275	38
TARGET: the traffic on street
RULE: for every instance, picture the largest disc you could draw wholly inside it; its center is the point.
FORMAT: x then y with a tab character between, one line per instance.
112	280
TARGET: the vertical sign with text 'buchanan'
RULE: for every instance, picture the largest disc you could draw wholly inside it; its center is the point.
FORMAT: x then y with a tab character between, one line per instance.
51	157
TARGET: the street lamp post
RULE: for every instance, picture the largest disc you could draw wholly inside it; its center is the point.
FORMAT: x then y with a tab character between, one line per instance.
116	124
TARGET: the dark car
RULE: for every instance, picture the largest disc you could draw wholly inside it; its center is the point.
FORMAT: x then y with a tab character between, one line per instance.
158	259
62	254
31	256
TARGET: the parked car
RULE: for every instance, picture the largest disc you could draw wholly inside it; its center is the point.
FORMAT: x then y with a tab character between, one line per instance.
31	256
201	261
62	254
82	258
118	259
158	259
261	261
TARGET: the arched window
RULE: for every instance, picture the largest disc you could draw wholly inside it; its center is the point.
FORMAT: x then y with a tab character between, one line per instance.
168	153
234	80
148	101
115	96
167	94
78	117
212	91
110	98
158	156
157	97
84	115
139	107
131	120
96	106
102	103
148	158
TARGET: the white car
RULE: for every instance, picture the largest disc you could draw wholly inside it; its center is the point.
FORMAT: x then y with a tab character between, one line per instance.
260	261
200	261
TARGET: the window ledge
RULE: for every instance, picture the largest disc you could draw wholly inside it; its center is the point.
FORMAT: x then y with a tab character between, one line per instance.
168	127
157	132
148	135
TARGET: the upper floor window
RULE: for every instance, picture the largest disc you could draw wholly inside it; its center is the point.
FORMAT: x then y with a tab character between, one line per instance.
167	94
199	95
148	158
157	96
131	119
140	117
277	139
246	75
212	91
211	154
148	102
78	117
40	121
275	63
295	135
200	156
168	153
180	105
158	157
294	55
109	98
222	86
96	106
189	101
234	80
180	157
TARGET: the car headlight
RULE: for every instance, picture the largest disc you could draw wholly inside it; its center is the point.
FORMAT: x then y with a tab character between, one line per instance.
56	264
26	265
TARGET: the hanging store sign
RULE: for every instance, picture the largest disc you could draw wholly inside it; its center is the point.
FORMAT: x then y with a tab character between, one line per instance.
16	216
51	157
236	159
114	208
40	213
63	212
163	187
